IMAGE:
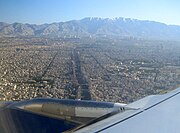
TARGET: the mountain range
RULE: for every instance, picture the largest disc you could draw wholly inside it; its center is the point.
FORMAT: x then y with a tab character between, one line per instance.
121	27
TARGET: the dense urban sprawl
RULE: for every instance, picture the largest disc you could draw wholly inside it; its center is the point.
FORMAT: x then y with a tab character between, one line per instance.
101	69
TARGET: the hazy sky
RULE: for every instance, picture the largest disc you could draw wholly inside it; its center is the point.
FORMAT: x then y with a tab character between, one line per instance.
48	11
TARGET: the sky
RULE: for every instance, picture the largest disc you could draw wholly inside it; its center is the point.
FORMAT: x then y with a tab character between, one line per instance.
49	11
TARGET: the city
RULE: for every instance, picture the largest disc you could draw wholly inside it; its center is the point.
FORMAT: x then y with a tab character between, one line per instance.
90	68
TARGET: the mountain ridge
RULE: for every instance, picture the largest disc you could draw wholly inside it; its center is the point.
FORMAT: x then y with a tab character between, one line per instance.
93	26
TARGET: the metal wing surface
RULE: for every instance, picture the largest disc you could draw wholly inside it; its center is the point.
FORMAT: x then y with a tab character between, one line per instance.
152	114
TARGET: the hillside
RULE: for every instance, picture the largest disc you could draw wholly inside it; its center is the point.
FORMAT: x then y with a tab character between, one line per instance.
123	27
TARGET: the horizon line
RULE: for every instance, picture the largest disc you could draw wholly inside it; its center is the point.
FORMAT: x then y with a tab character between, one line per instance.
113	18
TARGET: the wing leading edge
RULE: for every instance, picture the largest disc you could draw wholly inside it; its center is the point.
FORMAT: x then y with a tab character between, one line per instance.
155	113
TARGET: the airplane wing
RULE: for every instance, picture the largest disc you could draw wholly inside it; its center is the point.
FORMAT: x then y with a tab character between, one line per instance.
152	114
